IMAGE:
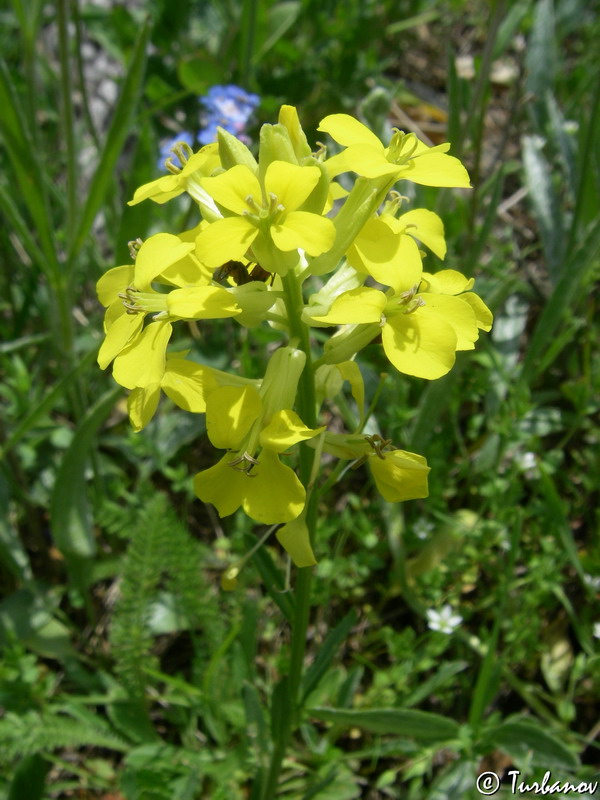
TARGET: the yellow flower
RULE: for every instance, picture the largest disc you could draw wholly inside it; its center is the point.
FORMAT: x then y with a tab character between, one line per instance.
139	353
250	474
264	215
405	157
186	383
202	163
386	247
422	326
398	474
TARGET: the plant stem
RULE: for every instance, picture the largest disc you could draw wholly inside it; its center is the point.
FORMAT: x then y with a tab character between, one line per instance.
307	411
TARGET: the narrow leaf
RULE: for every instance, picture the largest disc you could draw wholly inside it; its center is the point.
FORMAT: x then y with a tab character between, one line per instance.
70	517
422	725
117	134
335	638
525	739
47	403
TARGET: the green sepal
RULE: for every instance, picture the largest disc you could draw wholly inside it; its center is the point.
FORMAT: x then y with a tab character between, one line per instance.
280	384
275	145
348	342
315	202
232	151
363	201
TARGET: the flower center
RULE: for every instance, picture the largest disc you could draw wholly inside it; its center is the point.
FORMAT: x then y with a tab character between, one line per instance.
402	147
137	302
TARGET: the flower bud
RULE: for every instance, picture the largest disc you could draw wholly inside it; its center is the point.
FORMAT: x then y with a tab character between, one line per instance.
280	383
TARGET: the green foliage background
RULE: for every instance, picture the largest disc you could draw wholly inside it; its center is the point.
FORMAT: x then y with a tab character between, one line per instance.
126	672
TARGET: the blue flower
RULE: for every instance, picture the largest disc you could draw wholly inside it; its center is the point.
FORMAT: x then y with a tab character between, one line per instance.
229	107
166	149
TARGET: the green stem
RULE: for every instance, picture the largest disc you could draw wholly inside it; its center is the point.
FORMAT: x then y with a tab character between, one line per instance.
66	85
308	413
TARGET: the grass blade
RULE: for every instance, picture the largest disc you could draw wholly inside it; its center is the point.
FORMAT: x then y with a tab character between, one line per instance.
23	157
71	522
327	651
118	132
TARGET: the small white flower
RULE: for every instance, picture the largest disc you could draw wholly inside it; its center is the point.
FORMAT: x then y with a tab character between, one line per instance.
423	527
444	620
596	630
593	581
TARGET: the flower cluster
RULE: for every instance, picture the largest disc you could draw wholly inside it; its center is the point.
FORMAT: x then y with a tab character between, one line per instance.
228	107
280	242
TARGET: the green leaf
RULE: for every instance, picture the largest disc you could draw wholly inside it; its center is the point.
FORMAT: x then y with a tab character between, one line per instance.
198	73
53	397
541	56
24	161
256	728
27	615
29	779
281	709
70	517
422	725
280	18
526	739
272	578
545	202
12	553
560	521
120	126
334	639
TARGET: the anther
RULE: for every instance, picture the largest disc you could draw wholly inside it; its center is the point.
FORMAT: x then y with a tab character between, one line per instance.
134	246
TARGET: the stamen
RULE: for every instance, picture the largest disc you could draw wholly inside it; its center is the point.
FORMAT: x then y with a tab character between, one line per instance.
248	461
134	246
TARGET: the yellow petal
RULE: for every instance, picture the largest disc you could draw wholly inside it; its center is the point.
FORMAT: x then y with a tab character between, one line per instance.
222	486
302	229
364	159
459	314
358	305
188	384
159	190
447	281
124	328
231	189
143	361
346	130
202	302
230	413
427	227
112	282
275	494
142	405
400	476
484	316
376	244
156	254
421	344
295	539
290	183
284	430
188	271
437	169
225	240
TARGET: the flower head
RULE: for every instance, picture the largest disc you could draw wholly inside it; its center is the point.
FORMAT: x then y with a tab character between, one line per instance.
264	216
404	157
444	620
228	107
